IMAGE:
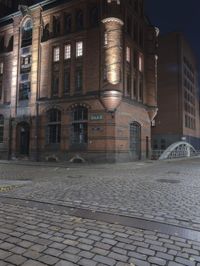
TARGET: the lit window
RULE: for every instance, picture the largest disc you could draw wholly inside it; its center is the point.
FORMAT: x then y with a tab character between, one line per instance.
56	54
79	49
141	66
68	51
128	54
1	68
106	39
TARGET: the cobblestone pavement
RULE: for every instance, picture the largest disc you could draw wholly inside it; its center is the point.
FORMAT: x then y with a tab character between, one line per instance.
167	192
34	237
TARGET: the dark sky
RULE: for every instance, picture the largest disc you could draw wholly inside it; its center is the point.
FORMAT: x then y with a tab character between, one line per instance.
177	15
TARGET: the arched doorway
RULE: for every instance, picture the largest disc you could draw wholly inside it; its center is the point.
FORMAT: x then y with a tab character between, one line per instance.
135	141
23	138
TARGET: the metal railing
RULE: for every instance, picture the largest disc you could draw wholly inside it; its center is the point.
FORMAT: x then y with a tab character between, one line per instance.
173	154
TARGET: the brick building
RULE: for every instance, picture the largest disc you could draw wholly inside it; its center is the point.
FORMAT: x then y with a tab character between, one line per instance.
77	78
178	93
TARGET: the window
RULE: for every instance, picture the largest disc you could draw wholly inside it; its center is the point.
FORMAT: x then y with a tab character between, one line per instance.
67	81
128	54
24	90
128	84
56	25
53	126
79	79
135	88
68	23
80	126
94	16
129	26
141	37
141	88
45	35
56	54
1	68
27	33
26	63
67	51
141	63
79	20
79	49
1	128
55	83
135	31
135	60
105	39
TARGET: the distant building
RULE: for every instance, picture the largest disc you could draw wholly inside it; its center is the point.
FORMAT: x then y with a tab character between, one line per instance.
178	94
77	79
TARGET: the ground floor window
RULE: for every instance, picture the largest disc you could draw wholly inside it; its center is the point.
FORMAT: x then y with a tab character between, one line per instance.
80	126
54	126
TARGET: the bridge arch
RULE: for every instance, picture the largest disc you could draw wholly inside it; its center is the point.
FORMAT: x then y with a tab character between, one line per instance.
177	150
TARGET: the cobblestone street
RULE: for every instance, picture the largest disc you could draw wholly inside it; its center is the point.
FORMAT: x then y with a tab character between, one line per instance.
167	194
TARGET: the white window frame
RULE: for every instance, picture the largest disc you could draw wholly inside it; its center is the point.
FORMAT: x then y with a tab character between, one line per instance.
56	54
79	49
67	55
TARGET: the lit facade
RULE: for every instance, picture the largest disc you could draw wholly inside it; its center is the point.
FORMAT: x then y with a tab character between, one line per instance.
178	94
77	80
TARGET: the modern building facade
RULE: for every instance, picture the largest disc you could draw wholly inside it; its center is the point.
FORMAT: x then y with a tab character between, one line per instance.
77	79
178	94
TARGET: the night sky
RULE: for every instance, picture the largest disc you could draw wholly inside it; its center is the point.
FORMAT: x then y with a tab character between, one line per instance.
177	15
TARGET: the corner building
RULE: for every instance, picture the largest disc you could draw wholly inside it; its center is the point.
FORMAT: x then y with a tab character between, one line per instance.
77	79
178	93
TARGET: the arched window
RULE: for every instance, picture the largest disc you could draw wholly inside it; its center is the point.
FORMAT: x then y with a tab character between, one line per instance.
45	35
79	20
94	16
53	126
27	30
80	125
1	128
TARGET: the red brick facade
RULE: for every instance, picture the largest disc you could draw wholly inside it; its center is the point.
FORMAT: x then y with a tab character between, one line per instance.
95	100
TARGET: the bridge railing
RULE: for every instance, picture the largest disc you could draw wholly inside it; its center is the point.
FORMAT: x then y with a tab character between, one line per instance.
177	150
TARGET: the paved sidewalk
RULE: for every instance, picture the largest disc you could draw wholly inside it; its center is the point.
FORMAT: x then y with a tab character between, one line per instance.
33	237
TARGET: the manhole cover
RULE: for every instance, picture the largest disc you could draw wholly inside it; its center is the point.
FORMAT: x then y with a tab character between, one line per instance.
168	181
